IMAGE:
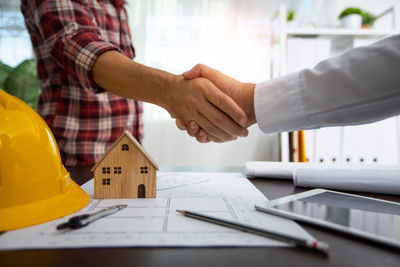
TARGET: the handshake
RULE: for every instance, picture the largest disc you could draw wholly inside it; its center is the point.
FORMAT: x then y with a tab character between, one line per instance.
208	104
218	107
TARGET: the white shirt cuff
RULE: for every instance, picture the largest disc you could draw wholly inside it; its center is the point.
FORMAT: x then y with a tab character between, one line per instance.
279	106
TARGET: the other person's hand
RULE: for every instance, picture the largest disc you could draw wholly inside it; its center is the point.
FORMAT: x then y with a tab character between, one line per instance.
241	93
201	101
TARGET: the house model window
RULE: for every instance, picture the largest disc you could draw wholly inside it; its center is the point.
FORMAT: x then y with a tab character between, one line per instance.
125	147
117	170
106	170
144	169
106	181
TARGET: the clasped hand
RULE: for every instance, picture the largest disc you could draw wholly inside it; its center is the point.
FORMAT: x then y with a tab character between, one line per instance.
225	122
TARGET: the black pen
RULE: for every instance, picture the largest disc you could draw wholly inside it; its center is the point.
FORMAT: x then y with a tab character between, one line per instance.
307	243
83	220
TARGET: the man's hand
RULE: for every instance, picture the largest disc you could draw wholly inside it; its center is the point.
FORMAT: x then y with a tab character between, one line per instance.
241	93
190	100
201	101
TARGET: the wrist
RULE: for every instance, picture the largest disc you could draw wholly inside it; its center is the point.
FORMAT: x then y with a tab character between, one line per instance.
248	103
154	84
164	84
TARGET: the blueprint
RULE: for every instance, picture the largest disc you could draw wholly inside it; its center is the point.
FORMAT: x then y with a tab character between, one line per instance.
155	222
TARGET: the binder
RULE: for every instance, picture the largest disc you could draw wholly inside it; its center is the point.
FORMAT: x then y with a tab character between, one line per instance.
374	143
328	145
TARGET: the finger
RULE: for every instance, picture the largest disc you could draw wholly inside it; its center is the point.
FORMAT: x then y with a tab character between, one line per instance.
202	137
180	124
226	104
225	84
221	120
221	80
195	72
193	128
210	128
215	139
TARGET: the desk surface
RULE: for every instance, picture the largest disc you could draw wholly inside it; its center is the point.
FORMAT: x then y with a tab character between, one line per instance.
345	250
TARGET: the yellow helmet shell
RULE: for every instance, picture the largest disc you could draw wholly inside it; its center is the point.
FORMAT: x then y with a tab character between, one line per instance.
34	185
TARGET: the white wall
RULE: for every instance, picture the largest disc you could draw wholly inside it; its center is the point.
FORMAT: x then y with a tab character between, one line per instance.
172	147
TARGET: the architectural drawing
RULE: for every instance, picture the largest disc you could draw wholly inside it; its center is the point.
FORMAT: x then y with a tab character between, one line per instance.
155	222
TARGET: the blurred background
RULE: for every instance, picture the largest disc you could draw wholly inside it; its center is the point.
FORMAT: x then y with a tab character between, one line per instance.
252	41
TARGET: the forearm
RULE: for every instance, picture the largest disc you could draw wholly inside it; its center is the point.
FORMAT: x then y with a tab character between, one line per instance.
360	86
124	77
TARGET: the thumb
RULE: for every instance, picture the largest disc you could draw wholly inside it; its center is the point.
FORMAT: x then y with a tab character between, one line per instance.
221	80
195	72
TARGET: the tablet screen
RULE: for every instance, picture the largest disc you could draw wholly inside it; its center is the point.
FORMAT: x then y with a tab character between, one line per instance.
367	215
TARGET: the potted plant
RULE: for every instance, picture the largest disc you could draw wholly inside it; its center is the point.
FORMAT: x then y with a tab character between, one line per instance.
290	17
368	19
351	18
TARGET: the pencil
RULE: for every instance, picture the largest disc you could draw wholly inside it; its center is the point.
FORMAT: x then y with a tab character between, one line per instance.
307	243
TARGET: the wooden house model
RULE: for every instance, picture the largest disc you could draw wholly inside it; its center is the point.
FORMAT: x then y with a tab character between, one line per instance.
125	171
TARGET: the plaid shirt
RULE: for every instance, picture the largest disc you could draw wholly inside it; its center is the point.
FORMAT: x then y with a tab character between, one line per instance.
68	36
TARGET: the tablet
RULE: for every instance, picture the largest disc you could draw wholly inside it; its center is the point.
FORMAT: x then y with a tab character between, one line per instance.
369	218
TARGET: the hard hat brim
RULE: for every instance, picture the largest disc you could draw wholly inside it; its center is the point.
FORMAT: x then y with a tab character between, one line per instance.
60	205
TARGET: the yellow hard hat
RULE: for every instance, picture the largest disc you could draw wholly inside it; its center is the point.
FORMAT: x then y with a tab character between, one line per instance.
34	185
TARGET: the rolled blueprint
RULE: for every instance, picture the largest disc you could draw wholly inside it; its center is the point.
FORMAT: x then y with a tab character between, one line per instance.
272	169
382	179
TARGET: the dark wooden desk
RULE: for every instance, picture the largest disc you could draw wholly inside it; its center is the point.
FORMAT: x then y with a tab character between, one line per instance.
345	250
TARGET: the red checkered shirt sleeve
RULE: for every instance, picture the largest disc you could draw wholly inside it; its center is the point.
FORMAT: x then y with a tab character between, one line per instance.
72	37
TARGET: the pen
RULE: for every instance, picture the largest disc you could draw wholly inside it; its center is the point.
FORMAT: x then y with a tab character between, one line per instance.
84	219
307	243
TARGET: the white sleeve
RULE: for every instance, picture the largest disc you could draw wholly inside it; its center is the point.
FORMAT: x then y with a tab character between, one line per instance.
361	86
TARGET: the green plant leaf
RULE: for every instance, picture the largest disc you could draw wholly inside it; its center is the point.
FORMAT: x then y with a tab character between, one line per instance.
290	15
350	11
5	70
22	82
368	18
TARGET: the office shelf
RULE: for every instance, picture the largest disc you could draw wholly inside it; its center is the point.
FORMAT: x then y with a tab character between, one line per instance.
341	39
298	32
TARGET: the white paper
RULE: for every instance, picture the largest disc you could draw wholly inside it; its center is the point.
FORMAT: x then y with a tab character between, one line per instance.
272	169
155	222
373	180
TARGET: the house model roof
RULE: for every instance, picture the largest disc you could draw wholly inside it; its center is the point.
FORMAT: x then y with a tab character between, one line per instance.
135	143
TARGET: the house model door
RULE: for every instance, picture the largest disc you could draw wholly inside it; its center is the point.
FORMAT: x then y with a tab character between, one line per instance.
141	191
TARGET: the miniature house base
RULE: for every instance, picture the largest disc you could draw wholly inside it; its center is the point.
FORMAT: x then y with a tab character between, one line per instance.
125	171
